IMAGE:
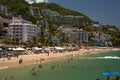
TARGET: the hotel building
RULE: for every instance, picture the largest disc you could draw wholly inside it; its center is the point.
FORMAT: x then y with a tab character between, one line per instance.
75	35
20	30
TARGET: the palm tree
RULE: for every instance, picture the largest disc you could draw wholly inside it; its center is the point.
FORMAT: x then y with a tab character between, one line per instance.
1	29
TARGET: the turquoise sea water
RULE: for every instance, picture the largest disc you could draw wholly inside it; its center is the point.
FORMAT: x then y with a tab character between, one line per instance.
80	68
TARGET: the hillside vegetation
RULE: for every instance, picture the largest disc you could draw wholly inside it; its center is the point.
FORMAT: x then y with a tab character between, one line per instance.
21	7
60	9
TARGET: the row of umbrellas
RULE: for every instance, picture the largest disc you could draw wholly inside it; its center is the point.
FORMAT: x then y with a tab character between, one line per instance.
58	48
34	48
17	49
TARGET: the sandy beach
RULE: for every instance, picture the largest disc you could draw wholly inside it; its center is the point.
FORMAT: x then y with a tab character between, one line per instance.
36	58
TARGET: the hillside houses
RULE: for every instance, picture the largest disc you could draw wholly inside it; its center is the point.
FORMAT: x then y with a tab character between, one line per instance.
35	11
3	20
54	28
5	11
66	19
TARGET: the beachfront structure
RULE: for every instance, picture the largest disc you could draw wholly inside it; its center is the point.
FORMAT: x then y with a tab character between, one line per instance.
47	12
75	35
101	38
104	37
83	36
21	30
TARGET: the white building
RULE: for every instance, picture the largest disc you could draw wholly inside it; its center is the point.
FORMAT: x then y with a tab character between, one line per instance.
21	30
36	1
75	35
35	11
47	12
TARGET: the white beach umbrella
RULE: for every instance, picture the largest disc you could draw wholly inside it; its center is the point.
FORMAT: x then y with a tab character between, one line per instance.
59	48
37	48
28	48
19	49
13	49
10	49
47	49
0	48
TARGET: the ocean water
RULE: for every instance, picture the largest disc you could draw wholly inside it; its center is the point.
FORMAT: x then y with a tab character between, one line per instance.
87	67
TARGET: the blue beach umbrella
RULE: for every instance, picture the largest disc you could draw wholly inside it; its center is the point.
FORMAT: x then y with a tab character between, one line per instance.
110	73
106	74
115	73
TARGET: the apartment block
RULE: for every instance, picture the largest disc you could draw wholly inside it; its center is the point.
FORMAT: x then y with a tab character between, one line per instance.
20	30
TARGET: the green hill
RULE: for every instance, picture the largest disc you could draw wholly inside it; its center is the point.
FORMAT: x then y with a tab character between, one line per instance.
60	9
21	7
18	7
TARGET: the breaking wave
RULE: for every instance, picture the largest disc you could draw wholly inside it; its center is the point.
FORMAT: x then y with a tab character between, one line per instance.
105	57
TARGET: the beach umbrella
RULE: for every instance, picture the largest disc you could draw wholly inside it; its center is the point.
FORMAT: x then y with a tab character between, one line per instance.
0	48
36	48
110	73
47	49
59	48
19	49
28	48
9	48
106	74
13	49
9	54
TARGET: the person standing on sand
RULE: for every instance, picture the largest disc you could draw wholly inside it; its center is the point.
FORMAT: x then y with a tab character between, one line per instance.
36	61
20	61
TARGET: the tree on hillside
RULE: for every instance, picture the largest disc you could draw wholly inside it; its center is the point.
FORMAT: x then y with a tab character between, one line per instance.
1	29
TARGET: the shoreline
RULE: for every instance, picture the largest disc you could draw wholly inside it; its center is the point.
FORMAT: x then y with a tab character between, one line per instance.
36	58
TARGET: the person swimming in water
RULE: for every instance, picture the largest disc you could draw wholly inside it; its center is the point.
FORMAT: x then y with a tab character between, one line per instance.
53	67
34	73
40	66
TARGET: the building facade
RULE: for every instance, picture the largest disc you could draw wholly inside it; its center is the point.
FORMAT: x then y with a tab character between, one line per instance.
35	11
69	19
75	35
47	12
21	30
101	38
4	10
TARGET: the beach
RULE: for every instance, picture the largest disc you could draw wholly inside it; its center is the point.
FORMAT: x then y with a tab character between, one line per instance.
44	57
